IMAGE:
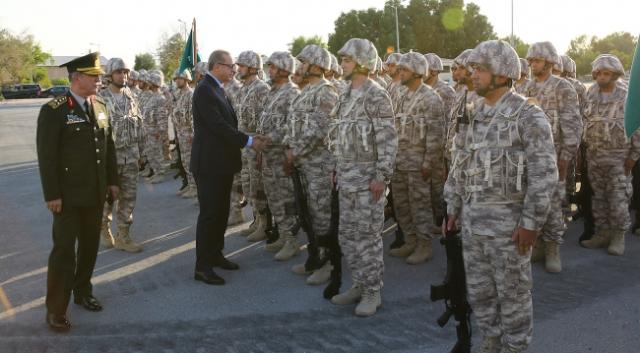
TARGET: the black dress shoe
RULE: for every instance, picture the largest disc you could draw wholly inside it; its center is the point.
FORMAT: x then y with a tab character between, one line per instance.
208	277
58	323
223	263
88	302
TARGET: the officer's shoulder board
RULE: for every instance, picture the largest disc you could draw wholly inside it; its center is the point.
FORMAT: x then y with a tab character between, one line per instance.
57	102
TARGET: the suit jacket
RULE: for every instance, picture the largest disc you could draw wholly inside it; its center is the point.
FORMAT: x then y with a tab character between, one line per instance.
76	154
216	140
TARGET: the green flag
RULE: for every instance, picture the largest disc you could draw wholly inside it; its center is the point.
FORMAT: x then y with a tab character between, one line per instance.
190	56
632	106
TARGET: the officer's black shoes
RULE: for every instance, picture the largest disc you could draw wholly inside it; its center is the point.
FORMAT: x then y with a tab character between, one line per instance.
223	263
58	322
88	302
208	277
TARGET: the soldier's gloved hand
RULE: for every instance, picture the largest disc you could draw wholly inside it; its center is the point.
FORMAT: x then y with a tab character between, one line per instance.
628	166
524	239
55	206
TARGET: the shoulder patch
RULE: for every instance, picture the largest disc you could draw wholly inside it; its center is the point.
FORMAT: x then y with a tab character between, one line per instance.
57	102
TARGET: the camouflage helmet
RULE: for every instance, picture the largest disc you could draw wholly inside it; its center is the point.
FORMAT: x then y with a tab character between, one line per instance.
607	62
201	68
497	56
393	58
334	63
283	61
133	75
316	55
115	64
379	64
461	60
362	51
298	67
558	64
435	63
543	50
524	67
414	62
572	68
250	59
566	63
185	74
156	78
142	75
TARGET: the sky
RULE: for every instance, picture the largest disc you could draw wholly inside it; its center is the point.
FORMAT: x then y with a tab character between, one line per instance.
119	28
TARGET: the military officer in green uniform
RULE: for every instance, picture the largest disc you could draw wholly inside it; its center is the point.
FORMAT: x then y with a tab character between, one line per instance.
77	162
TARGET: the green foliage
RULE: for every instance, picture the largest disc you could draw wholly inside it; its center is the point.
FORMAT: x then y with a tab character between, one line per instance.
62	81
518	44
19	56
144	61
170	51
584	49
41	77
295	47
444	27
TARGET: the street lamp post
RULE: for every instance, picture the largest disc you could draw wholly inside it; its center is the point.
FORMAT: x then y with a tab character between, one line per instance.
184	28
397	31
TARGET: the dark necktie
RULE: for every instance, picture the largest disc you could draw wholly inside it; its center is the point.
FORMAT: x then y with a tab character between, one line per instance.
87	110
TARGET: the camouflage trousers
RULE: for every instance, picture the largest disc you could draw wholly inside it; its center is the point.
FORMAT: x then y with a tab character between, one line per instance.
163	128
236	191
279	190
554	228
499	286
251	178
128	177
438	179
413	206
318	184
611	191
185	137
360	235
153	149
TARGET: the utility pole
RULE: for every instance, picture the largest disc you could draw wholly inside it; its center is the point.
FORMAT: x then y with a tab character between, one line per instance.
397	31
512	40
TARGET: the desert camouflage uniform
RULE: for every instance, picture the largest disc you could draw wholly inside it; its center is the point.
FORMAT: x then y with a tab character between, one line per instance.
183	127
232	89
155	114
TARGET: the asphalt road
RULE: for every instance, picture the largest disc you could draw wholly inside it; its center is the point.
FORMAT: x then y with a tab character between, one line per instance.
152	304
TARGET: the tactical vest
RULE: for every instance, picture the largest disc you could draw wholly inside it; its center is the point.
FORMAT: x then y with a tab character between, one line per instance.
301	109
126	123
351	135
604	127
491	164
271	119
547	100
248	121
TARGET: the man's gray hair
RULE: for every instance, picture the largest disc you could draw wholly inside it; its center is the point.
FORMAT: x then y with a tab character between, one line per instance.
217	57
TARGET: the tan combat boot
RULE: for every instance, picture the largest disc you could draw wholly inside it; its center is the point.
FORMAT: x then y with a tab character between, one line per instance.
254	225
369	303
552	262
616	246
157	178
106	238
537	254
191	192
599	240
321	275
351	296
235	216
123	241
276	245
489	345
406	249
299	269
422	253
259	233
289	249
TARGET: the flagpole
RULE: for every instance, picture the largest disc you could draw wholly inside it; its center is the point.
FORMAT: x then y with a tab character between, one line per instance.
194	45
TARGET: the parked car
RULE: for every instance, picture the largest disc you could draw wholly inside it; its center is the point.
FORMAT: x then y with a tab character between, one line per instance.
55	91
27	90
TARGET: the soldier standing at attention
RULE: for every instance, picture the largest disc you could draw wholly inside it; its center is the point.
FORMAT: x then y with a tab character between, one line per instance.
129	140
521	83
77	161
183	126
365	147
499	192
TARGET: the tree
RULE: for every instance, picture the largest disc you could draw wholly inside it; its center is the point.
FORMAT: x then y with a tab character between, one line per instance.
170	52
295	47
144	61
19	56
444	27
518	44
584	49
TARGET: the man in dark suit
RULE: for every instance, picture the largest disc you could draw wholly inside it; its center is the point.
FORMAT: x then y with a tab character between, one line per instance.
215	158
77	163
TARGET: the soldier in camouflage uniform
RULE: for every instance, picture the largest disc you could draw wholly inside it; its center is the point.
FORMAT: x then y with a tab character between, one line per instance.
365	144
334	74
156	115
307	150
569	73
521	83
128	136
249	107
183	126
420	160
559	101
273	124
395	85
610	155
499	191
299	77
376	76
132	83
200	71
